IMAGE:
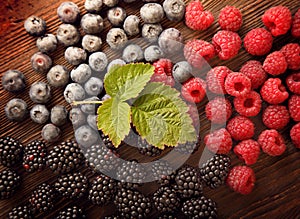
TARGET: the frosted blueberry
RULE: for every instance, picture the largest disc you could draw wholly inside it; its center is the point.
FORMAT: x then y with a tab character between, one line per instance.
133	53
81	74
47	43
153	53
98	61
40	92
58	76
86	136
13	81
91	43
74	92
93	86
16	110
39	114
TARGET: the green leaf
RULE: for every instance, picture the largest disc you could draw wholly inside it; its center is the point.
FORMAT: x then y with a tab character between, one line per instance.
127	81
114	120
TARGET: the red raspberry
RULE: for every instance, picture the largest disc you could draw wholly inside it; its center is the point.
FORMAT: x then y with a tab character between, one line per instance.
248	105
294	107
278	20
241	179
194	114
219	141
258	42
248	151
271	142
196	52
240	128
194	90
254	71
196	18
227	44
276	117
167	80
215	79
230	18
291	53
218	110
293	82
295	135
275	63
296	25
237	84
273	91
163	66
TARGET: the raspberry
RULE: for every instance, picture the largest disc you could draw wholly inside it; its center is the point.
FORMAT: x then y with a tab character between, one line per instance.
227	44
237	84
196	52
278	20
194	114
296	25
218	110
241	179
275	63
271	142
254	71
219	141
248	105
248	151
163	66
215	79
258	42
276	117
273	91
194	90
291	53
293	82
167	80
295	135
294	107
240	128
230	18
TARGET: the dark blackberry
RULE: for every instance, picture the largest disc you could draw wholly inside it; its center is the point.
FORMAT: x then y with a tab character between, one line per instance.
65	157
34	158
71	185
73	212
214	172
20	212
187	148
9	182
42	198
200	207
163	172
147	149
188	182
112	217
166	200
132	203
167	216
102	190
10	151
107	142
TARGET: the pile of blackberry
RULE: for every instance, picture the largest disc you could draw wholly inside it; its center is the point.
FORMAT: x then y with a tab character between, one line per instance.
166	200
35	154
10	151
200	207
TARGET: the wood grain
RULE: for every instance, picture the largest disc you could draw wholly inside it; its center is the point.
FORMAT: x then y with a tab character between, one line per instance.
277	190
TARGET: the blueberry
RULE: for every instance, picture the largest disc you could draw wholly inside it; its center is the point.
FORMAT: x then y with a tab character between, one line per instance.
40	92
91	107
58	76
92	121
116	16
153	53
91	43
114	62
81	74
77	117
98	61
110	3
182	71
67	35
41	62
92	23
93	6
116	38
51	133
75	55
35	26
68	12
93	86
152	13
133	53
59	115
151	31
47	43
39	114
132	25
86	136
174	9
16	110
74	92
13	81
170	41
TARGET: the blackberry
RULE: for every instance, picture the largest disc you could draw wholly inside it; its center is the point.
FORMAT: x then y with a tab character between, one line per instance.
107	142
200	207
187	148
65	157
166	200
147	149
73	212
167	216
34	158
20	212
71	185
9	182
42	198
163	172
188	182
102	190
10	151
112	217
132	203
214	172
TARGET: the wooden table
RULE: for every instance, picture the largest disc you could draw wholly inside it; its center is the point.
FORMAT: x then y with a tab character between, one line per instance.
277	190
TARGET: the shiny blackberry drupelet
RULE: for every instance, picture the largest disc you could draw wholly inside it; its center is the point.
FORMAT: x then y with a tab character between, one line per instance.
71	185
167	216
65	157
147	149
9	182
214	172
132	203
107	142
73	212
42	198
34	157
162	171
10	151
165	200
188	182
20	212
200	207
112	217
187	148
103	190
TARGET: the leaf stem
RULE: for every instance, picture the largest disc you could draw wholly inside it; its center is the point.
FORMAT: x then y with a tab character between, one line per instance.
76	103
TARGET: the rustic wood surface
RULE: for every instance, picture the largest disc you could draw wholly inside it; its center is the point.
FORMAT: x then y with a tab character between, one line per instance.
277	190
